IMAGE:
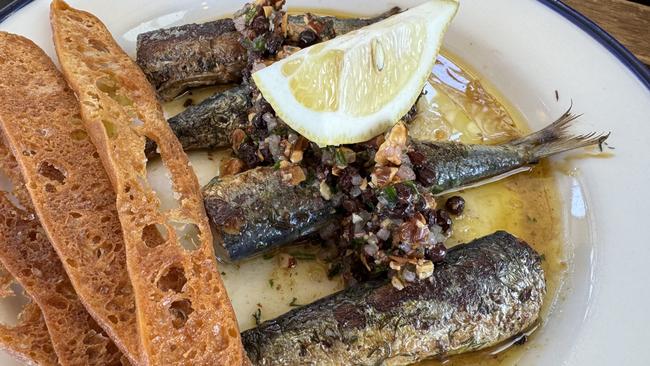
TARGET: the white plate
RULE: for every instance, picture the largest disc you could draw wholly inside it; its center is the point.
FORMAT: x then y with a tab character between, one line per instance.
528	51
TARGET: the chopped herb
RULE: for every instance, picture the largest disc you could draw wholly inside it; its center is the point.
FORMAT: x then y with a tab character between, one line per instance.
379	269
276	166
294	302
411	184
271	282
311	177
339	158
390	194
335	270
542	257
557	95
250	14
357	243
268	256
259	44
257	316
531	218
370	206
303	256
223	273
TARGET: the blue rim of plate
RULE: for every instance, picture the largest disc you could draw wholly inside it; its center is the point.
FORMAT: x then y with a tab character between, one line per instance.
639	69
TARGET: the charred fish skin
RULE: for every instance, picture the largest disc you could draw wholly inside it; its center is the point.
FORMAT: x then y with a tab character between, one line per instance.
192	55
256	211
442	166
209	124
484	292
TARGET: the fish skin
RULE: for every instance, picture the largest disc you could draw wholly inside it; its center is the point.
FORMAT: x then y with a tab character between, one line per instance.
442	166
483	293
439	167
193	55
209	124
272	213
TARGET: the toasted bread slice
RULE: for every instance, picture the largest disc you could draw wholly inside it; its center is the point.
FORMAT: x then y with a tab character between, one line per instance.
26	252
184	314
69	188
28	341
28	255
5	283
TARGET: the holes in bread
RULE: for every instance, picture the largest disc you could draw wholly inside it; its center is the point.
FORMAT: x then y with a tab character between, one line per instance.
172	279
76	119
66	290
154	235
57	302
74	215
159	179
103	249
108	85
79	135
71	262
110	128
180	311
14	302
188	234
52	172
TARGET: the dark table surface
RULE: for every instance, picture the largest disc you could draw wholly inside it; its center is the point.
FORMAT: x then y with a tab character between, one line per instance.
627	20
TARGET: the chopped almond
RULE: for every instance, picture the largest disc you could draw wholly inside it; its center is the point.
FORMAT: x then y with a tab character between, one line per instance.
390	152
231	167
293	175
237	137
325	191
383	176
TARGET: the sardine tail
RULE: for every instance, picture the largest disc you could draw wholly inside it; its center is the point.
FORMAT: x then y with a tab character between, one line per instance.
556	138
392	11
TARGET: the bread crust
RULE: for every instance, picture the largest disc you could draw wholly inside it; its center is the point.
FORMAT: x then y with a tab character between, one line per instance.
69	189
184	314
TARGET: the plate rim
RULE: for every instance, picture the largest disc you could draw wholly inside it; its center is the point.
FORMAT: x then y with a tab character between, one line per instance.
625	56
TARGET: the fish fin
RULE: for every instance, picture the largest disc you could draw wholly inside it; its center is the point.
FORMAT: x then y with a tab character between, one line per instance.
556	138
483	182
392	11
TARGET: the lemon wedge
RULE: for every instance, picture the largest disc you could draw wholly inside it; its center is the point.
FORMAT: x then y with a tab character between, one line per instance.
356	86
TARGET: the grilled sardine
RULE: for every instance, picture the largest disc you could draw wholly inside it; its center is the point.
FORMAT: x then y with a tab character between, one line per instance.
257	210
209	125
445	166
483	293
271	215
193	55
